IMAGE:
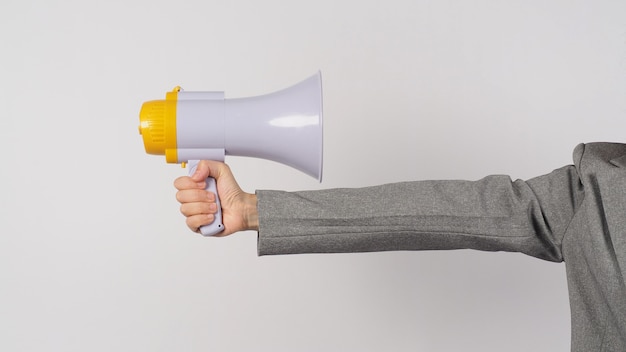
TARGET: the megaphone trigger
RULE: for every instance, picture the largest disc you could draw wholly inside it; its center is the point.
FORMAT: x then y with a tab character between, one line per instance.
217	225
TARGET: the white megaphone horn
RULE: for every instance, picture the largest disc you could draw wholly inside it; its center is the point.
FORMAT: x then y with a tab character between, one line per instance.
284	126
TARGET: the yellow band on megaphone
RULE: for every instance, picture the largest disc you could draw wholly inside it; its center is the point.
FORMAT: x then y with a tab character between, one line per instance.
157	126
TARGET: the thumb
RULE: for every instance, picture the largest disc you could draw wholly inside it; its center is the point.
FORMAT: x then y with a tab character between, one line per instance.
201	172
216	169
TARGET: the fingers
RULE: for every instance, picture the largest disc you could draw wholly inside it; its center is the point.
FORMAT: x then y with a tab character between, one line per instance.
195	222
199	205
195	195
193	209
196	202
198	213
186	182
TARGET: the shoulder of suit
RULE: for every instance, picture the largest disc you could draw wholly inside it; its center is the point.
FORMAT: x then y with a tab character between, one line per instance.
598	154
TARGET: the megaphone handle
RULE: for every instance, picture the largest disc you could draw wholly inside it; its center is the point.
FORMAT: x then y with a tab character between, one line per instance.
216	226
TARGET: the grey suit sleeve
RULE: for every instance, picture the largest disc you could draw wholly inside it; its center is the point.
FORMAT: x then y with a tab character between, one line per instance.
491	214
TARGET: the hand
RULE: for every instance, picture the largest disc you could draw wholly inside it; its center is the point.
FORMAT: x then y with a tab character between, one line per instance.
239	210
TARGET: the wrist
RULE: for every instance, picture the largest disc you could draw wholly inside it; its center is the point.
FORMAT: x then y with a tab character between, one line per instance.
251	214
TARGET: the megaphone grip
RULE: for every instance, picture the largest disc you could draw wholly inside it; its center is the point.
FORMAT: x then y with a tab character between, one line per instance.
217	225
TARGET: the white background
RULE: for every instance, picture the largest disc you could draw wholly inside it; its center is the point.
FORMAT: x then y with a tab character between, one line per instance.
95	256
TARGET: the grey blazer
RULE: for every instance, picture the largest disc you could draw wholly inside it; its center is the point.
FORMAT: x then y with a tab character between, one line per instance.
576	214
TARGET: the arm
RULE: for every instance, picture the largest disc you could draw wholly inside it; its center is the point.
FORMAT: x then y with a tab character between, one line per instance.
492	214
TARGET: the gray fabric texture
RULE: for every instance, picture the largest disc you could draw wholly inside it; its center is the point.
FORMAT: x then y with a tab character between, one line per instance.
575	214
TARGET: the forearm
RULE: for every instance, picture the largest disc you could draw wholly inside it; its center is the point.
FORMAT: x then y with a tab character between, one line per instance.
493	214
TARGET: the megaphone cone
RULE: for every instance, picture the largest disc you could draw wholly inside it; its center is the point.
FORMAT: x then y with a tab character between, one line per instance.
285	126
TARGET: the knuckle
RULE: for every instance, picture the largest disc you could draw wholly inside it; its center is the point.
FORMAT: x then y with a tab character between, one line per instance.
179	182
191	225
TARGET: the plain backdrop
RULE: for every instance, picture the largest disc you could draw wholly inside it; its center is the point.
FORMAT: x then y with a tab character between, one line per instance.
95	256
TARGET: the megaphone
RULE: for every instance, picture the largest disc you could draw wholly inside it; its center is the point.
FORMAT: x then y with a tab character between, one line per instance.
284	126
